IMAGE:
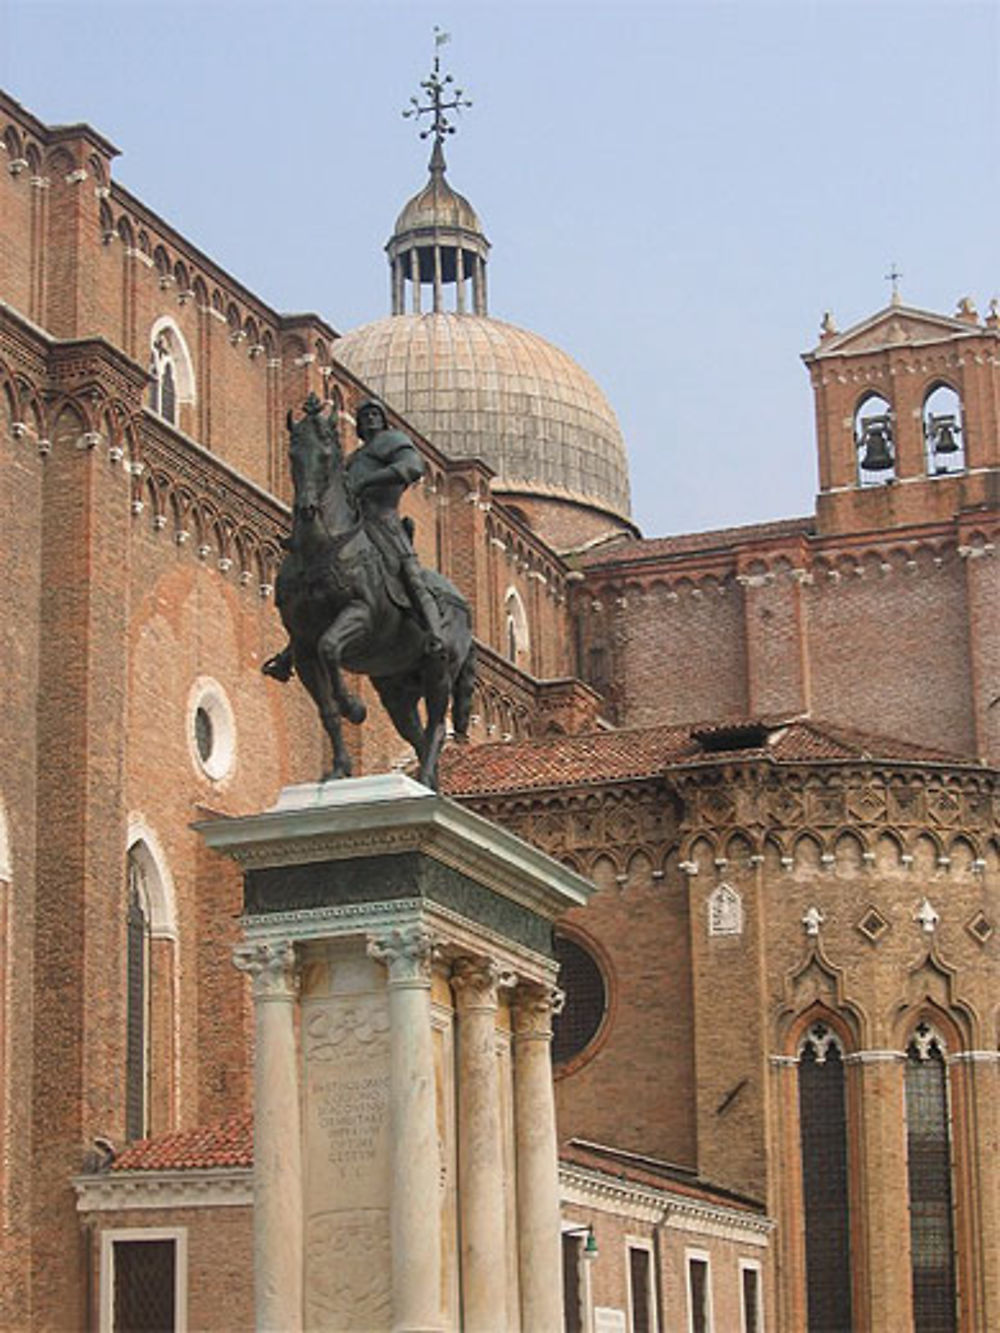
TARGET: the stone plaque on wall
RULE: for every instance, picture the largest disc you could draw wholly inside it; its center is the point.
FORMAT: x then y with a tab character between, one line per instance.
346	1166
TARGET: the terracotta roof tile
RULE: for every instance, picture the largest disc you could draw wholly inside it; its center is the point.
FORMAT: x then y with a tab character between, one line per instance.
696	543
619	756
228	1143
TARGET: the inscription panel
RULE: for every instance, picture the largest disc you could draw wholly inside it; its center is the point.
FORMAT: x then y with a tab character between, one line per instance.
346	1179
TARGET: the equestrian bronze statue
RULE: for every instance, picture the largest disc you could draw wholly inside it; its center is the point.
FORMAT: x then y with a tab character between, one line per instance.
353	595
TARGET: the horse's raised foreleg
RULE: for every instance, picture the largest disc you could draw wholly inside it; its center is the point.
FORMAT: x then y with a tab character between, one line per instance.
316	679
352	627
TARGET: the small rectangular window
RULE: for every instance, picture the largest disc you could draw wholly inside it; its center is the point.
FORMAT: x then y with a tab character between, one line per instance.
699	1298
145	1286
572	1284
640	1278
750	1298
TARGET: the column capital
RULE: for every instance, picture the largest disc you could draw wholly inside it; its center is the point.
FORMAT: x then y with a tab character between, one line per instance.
534	1008
407	952
271	966
477	983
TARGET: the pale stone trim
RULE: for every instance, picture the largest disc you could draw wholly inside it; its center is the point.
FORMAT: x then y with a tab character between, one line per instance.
161	895
6	869
875	1057
362	817
457	934
755	1266
973	1058
646	1244
586	1188
107	1279
206	1187
704	1257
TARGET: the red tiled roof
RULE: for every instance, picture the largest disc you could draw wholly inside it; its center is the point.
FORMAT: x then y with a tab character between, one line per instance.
228	1143
692	543
619	756
639	1170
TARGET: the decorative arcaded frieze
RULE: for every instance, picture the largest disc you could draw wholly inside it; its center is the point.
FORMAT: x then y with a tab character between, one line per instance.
76	177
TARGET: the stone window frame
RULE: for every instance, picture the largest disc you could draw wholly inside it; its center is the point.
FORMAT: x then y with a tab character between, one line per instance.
691	1256
106	1280
752	1266
169	352
645	1244
220	765
585	1286
517	636
162	973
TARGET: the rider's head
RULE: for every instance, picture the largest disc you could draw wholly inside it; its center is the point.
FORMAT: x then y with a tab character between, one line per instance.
370	418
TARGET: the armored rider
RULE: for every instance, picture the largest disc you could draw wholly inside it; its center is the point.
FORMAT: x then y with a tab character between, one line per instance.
378	472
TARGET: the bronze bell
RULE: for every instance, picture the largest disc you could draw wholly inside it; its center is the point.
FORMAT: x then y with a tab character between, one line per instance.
943	432
875	441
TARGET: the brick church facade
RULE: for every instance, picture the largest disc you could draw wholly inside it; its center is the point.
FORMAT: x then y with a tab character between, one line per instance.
774	749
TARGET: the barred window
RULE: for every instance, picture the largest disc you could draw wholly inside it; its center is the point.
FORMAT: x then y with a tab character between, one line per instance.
928	1154
823	1123
640	1277
586	1000
145	1286
699	1295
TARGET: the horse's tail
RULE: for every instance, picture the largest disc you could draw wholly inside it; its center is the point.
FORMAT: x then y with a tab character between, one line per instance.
461	694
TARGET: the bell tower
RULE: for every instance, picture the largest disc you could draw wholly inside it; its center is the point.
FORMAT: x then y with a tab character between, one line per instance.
907	406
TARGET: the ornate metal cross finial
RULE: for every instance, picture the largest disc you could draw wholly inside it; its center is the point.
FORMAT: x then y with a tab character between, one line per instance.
436	89
894	276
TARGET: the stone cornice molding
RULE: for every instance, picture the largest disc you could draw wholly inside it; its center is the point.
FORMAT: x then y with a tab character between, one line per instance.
458	936
588	1188
212	1187
390	813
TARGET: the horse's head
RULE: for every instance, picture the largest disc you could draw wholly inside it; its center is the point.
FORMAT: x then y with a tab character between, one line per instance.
314	452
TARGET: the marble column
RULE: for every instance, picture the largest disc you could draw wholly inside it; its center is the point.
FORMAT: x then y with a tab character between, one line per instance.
539	1242
415	1201
277	1211
475	983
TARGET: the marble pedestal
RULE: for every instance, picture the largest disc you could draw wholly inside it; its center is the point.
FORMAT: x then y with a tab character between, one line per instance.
405	1166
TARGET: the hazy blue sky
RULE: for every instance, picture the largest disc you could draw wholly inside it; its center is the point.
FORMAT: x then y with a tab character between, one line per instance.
674	192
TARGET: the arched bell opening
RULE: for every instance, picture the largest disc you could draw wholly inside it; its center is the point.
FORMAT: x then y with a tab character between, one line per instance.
944	434
874	440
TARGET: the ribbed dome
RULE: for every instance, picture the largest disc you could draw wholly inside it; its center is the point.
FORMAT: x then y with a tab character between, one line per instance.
478	387
437	205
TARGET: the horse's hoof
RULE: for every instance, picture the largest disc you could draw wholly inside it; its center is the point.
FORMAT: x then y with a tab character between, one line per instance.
354	710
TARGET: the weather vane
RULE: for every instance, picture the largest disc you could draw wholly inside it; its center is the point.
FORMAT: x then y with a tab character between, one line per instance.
437	89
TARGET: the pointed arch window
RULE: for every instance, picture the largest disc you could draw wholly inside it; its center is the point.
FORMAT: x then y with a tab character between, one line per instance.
928	1166
518	642
137	1001
823	1128
170	370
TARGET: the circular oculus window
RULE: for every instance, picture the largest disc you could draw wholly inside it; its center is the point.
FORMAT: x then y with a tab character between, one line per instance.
582	982
211	730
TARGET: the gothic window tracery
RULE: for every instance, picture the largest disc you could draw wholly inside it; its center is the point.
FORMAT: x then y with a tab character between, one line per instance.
516	640
823	1128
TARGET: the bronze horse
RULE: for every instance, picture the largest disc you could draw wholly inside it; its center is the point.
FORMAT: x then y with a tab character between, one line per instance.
335	597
